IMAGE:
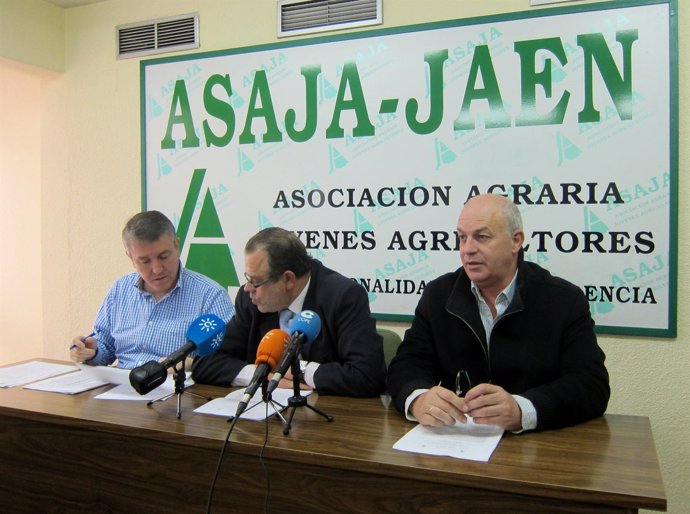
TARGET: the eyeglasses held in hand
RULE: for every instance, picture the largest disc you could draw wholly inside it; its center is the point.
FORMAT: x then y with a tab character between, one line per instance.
462	382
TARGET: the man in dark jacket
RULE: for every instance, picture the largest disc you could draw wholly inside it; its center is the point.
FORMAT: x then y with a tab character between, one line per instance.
500	340
346	358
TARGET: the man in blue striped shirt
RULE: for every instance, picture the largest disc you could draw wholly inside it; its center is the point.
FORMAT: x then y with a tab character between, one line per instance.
145	315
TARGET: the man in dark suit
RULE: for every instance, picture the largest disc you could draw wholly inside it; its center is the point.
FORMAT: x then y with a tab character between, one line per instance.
346	358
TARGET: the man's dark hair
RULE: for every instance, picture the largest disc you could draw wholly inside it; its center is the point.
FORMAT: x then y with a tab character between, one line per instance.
147	226
284	250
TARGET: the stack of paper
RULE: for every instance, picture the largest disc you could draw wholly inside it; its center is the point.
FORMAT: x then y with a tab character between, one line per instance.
19	374
256	410
83	379
125	391
71	383
462	440
42	376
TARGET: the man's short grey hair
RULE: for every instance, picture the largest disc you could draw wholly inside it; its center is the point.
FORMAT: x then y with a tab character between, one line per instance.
147	226
512	216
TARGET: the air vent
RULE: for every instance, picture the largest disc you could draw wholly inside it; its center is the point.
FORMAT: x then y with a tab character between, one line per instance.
158	36
308	16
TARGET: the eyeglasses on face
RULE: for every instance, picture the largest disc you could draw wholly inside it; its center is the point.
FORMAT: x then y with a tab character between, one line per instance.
257	283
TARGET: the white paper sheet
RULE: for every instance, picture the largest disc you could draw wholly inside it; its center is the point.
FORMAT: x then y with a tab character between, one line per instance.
84	379
70	383
107	374
125	391
256	408
27	372
463	441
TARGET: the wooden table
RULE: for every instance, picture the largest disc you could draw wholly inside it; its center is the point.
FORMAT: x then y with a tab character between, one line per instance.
61	453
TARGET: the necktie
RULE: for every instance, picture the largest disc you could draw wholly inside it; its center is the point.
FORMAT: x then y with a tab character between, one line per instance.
284	317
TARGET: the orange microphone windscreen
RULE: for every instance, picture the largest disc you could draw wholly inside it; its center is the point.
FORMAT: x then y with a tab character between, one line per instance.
271	347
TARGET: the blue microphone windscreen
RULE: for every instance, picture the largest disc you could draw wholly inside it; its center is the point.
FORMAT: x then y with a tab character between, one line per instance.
308	323
207	333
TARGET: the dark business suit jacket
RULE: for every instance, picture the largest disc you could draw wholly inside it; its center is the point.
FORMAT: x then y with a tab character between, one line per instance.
348	348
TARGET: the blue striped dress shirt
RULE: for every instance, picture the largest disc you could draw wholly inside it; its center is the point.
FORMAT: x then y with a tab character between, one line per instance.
133	328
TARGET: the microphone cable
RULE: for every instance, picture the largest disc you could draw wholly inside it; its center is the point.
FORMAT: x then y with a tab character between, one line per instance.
261	461
218	465
263	464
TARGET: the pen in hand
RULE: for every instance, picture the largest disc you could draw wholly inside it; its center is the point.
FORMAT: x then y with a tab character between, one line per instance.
82	340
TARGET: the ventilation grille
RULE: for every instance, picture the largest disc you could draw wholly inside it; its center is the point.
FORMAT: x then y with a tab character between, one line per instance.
158	36
308	16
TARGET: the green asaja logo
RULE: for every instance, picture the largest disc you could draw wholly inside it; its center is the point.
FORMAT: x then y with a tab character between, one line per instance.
208	252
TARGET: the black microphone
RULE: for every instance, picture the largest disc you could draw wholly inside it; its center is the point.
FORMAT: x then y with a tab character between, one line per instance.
303	329
267	354
204	335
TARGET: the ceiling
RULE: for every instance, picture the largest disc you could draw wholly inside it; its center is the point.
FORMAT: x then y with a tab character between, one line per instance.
72	3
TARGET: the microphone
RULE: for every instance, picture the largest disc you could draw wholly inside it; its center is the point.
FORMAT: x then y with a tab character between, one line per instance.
303	329
205	335
269	351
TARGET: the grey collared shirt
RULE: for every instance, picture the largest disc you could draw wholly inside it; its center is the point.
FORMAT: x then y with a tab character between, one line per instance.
502	301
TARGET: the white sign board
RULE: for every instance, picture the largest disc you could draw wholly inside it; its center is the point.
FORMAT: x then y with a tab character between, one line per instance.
367	145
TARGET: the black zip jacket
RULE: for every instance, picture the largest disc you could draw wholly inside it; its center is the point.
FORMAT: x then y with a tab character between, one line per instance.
543	347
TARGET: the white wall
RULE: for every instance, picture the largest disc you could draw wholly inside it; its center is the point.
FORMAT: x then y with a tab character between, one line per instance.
20	211
87	167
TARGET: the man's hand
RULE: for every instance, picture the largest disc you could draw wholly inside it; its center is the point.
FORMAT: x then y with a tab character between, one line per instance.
83	349
286	382
489	404
439	406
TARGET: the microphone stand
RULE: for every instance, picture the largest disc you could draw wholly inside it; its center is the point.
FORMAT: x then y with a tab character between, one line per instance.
266	399
180	377
297	400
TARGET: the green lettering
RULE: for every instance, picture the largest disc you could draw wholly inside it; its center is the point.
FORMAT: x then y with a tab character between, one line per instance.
219	109
311	74
180	99
435	60
350	80
481	62
530	79
261	90
619	87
